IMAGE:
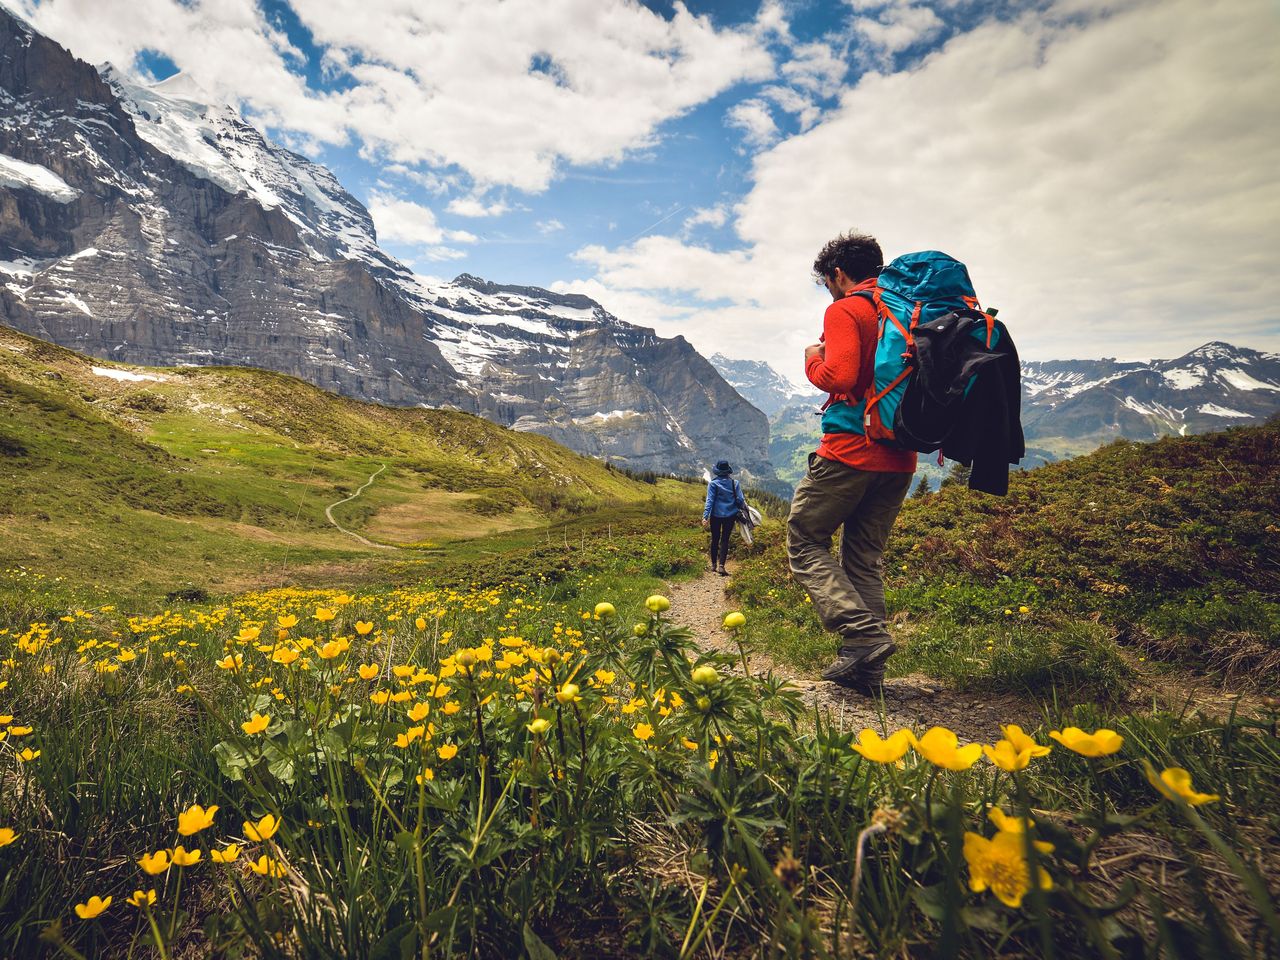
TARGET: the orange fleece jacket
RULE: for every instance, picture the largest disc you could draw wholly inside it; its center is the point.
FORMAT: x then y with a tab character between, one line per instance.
849	332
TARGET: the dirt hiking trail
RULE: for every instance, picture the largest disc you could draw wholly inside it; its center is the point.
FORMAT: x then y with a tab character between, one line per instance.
915	700
328	512
920	701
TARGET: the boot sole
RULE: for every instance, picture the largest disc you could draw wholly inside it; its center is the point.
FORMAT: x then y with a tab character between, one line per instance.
844	671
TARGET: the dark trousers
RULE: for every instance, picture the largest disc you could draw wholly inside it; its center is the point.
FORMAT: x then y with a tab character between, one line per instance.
721	527
847	593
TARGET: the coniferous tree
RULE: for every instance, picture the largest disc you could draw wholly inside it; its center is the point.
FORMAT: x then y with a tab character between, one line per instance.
958	476
922	489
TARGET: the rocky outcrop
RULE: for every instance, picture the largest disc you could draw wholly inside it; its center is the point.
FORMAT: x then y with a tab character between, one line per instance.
142	224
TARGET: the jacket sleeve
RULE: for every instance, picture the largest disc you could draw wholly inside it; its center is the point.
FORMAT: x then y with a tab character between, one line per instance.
837	371
740	499
711	494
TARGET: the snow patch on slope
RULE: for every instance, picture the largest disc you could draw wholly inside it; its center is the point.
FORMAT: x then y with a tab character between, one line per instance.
1242	381
1216	411
126	375
32	176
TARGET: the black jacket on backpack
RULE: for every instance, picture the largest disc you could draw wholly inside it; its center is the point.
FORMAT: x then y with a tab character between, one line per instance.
965	398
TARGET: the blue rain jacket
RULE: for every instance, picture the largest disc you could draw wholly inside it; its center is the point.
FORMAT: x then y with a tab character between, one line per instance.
724	498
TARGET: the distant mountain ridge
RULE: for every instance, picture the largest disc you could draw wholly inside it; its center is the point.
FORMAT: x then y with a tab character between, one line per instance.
765	387
141	224
1079	404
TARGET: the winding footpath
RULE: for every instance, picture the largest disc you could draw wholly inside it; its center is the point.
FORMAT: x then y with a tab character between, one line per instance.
915	701
328	512
919	701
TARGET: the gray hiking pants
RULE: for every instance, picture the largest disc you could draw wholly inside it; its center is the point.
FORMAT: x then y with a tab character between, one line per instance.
848	593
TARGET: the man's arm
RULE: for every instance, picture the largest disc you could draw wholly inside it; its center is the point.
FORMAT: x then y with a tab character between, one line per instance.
836	369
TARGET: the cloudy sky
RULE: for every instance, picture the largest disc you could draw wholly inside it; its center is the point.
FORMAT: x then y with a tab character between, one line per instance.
1109	169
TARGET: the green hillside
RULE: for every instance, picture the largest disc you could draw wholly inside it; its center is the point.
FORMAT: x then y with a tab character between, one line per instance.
217	478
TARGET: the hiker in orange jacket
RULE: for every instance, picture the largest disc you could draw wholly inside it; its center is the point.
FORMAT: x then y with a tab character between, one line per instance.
853	484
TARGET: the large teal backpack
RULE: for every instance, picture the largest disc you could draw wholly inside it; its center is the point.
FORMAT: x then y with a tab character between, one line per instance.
914	289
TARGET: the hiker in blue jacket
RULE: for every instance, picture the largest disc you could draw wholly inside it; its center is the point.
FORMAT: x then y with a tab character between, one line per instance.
724	500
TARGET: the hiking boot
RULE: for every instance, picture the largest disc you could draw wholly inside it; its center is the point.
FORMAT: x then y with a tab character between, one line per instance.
869	682
861	666
723	572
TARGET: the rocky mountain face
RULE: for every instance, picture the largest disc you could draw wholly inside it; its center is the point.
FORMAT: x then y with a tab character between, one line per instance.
142	224
1069	407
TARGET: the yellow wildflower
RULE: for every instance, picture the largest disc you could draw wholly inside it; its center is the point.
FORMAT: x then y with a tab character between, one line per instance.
890	750
95	906
195	818
368	671
706	676
419	711
939	747
185	858
154	863
285	622
256	724
264	829
1175	783
7	836
448	751
141	899
227	854
605	610
1101	743
324	614
568	693
265	866
732	621
642	731
1000	864
657	603
28	754
1013	733
285	656
1007	757
1018	825
364	627
540	725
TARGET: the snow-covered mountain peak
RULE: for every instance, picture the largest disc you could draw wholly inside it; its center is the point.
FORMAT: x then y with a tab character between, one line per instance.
1217	350
183	86
214	142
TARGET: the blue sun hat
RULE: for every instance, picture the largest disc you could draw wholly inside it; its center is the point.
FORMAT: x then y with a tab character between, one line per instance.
722	468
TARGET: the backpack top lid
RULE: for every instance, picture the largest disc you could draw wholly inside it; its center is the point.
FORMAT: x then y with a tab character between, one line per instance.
927	275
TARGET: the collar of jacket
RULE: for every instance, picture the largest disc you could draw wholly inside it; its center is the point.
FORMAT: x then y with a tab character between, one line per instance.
867	284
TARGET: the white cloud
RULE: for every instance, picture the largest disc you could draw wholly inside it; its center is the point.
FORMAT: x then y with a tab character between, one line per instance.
476	207
546	227
755	121
815	67
436	84
716	216
796	103
899	26
1110	182
411	224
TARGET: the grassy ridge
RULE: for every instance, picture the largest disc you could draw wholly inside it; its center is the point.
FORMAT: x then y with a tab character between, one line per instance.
213	478
1170	547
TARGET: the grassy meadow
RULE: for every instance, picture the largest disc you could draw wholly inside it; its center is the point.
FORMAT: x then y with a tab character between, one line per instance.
229	730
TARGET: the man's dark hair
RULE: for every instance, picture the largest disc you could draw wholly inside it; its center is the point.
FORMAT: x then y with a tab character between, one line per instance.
857	254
